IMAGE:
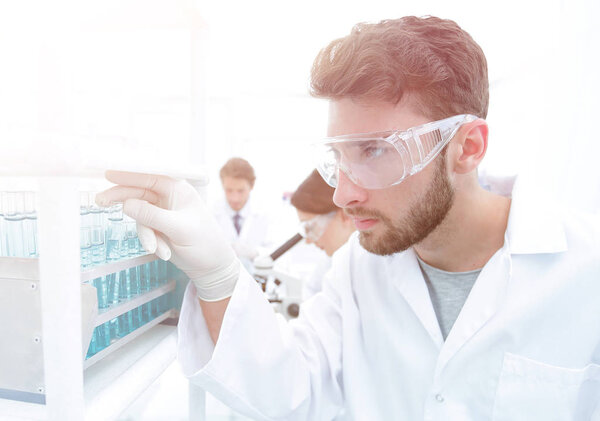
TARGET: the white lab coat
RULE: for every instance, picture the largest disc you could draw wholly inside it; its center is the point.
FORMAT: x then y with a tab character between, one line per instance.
526	345
254	234
313	283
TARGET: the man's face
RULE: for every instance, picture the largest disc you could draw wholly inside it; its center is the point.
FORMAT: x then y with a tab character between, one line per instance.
237	191
393	219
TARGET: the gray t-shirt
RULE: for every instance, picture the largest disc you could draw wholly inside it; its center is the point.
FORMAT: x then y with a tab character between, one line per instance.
448	292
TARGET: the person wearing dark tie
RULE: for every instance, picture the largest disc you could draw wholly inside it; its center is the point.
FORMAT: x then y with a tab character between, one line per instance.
244	225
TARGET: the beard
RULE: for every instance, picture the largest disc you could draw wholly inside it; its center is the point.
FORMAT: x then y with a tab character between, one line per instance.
422	218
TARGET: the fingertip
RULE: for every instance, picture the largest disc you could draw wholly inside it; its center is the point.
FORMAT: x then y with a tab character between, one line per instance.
147	237
102	199
163	250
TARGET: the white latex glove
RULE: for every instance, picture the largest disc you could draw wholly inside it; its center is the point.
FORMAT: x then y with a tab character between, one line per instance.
244	250
174	223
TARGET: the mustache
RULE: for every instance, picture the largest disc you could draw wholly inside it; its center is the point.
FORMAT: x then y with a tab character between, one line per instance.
364	213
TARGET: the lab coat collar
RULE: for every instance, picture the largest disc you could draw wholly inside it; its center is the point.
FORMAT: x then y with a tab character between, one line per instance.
533	227
534	223
244	212
413	288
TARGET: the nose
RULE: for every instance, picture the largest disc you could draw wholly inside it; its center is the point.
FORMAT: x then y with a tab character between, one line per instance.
347	194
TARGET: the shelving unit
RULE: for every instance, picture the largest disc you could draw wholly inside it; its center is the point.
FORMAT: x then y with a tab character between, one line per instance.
125	307
104	385
89	115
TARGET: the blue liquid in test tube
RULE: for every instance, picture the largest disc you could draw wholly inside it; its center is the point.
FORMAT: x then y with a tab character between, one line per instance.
144	276
114	327
147	312
134	280
13	217
112	286
126	325
97	242
102	291
103	337
85	245
124	285
132	237
2	229
116	236
85	233
92	348
161	271
137	317
98	231
153	273
30	226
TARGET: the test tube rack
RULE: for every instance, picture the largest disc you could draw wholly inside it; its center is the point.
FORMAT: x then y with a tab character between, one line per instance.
22	368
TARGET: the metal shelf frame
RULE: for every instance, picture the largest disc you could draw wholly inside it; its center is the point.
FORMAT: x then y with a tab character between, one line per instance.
57	177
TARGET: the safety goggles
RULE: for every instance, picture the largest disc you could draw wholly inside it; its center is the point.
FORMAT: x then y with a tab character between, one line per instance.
313	228
383	159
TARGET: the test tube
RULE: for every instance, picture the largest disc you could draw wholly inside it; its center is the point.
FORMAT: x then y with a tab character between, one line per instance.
144	276
30	225
84	209
124	285
14	216
102	336
161	271
116	236
98	245
85	246
98	229
102	291
134	280
153	273
132	237
114	329
126	324
112	288
2	226
137	317
146	312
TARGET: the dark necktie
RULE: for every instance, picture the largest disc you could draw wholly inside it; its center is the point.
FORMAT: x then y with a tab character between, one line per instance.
236	223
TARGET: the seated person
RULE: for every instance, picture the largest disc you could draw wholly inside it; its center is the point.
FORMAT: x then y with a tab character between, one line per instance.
323	224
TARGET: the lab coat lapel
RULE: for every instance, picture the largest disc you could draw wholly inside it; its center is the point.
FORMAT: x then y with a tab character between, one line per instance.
411	285
533	227
485	299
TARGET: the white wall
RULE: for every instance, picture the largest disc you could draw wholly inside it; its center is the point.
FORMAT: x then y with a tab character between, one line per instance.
120	74
543	58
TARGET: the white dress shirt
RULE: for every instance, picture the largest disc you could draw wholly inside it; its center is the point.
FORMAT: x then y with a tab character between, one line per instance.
525	346
254	233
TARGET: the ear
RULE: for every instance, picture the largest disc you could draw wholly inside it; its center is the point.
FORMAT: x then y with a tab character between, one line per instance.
470	146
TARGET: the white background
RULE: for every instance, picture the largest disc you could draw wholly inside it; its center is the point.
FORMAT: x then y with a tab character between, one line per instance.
119	76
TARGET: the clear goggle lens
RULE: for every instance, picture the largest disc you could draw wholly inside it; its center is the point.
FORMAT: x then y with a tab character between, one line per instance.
383	159
314	228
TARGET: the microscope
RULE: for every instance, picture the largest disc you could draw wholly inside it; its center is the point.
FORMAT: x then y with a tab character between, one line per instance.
283	290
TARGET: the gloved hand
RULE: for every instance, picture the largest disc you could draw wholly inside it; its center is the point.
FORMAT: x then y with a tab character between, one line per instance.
243	250
174	223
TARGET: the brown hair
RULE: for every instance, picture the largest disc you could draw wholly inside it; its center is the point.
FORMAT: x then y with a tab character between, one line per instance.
431	59
314	195
238	168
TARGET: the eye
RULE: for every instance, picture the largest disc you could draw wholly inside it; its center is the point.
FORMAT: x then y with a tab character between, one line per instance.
372	150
